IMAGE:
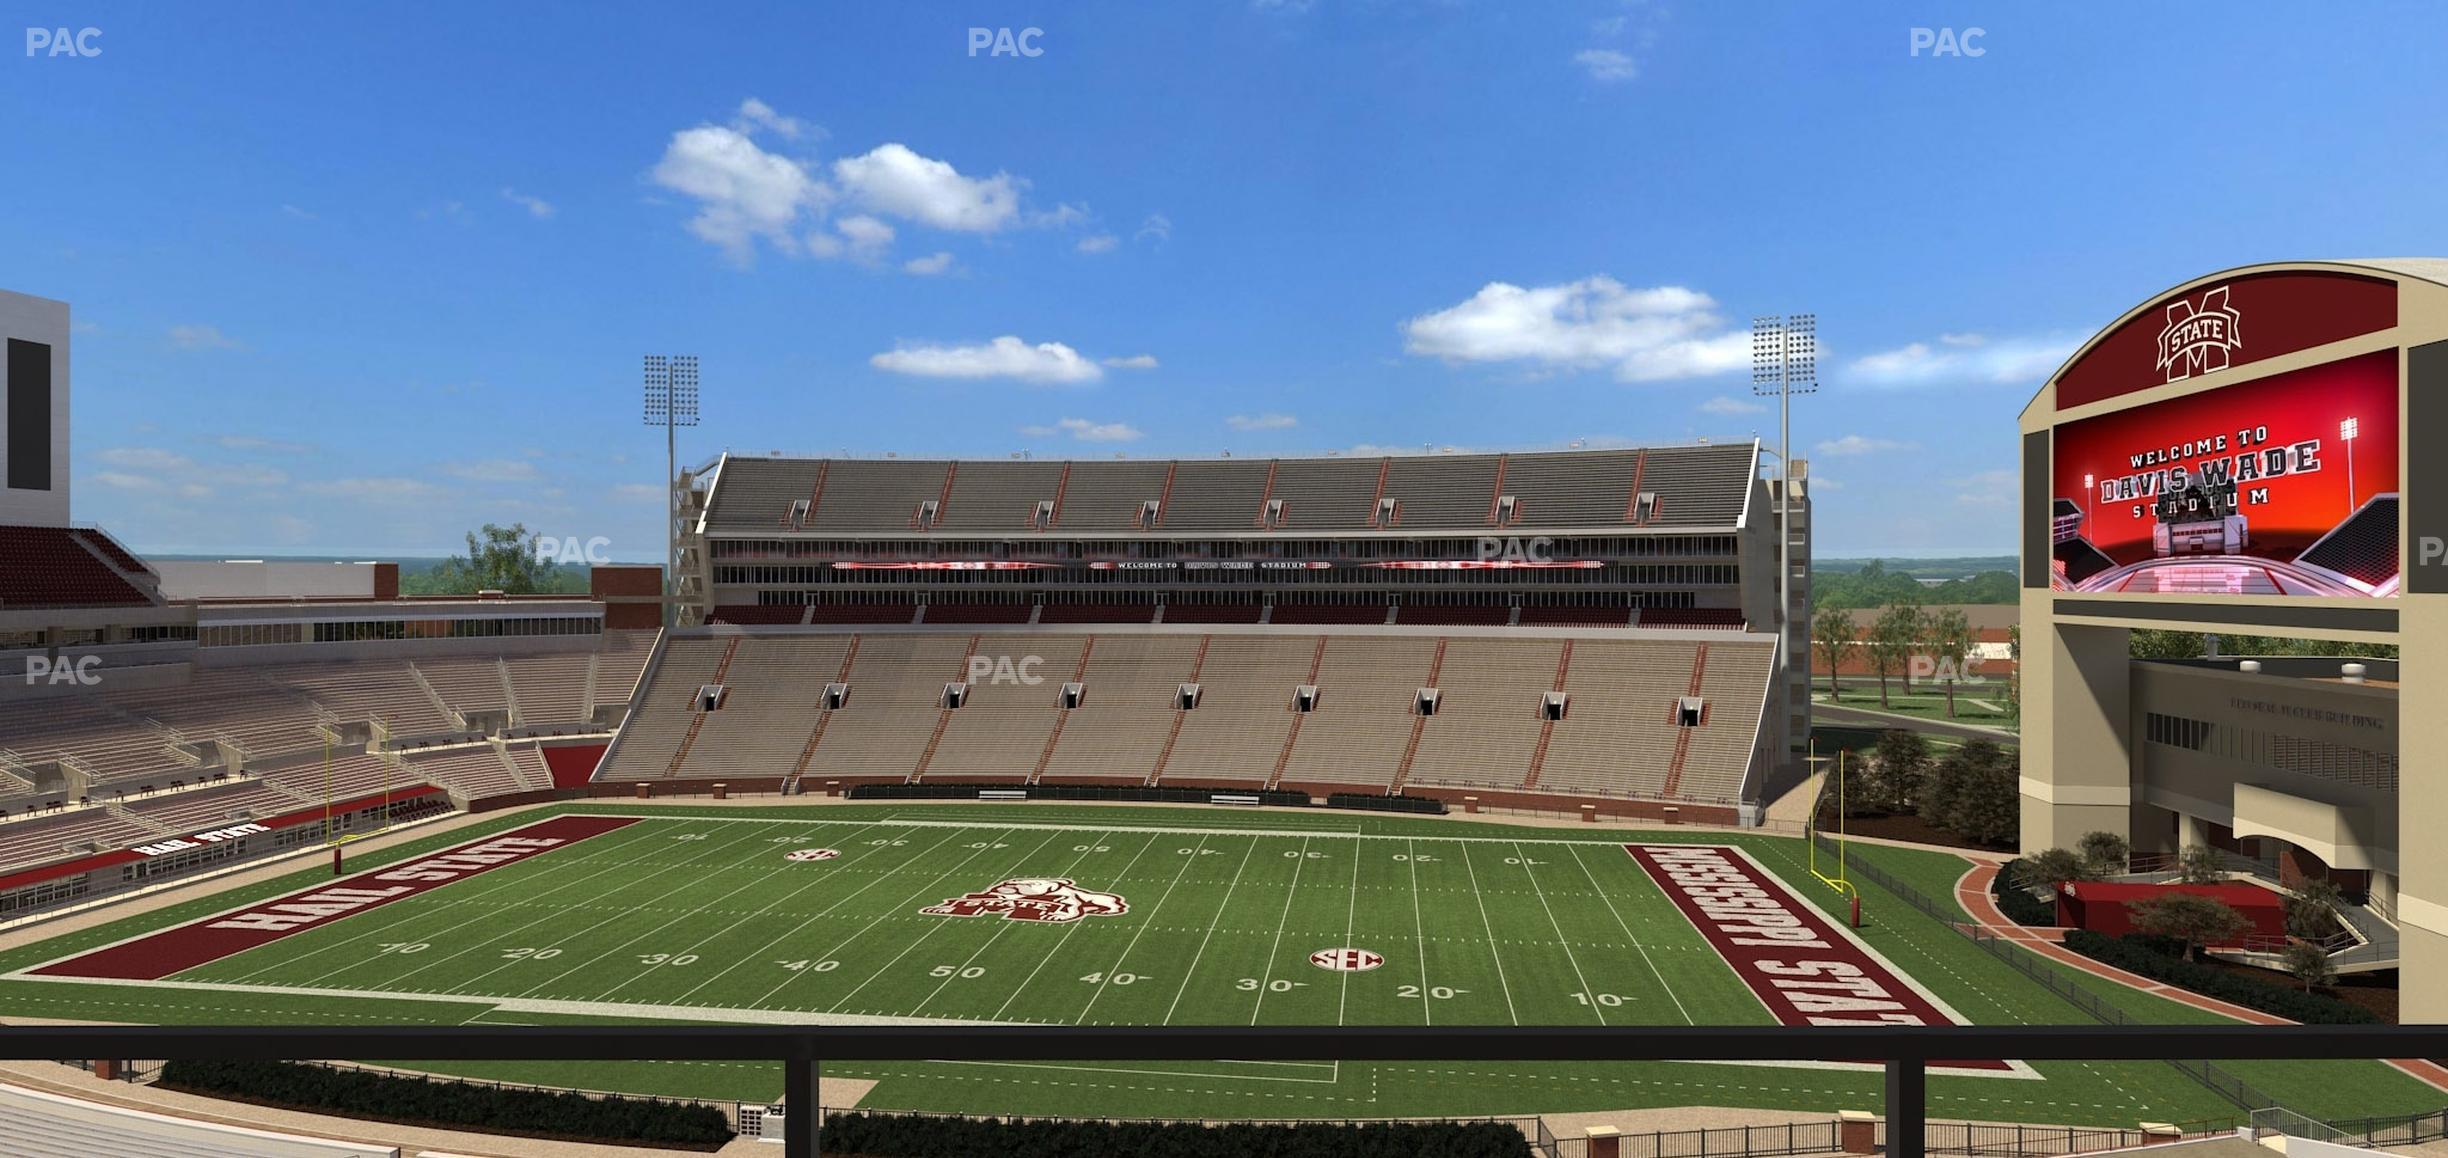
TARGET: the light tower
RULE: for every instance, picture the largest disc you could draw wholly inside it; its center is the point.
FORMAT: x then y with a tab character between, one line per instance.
1785	362
671	403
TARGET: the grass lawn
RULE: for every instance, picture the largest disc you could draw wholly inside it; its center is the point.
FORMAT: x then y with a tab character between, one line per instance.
700	914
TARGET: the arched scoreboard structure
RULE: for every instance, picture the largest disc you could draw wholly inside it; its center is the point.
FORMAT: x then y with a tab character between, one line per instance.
2262	452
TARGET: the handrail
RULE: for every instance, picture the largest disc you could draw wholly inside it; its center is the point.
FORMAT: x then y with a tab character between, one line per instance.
1905	1052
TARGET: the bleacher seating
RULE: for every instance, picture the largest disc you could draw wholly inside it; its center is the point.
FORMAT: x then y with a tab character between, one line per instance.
371	690
1575	617
1356	614
1619	738
40	1124
750	614
1454	616
53	567
1695	486
1096	613
938	613
39	840
211	807
239	704
880	613
1725	617
345	776
1212	612
480	770
110	549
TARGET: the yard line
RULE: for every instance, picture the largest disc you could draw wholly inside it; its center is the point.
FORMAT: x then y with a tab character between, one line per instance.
922	937
760	951
1268	976
1636	941
1351	921
1219	917
1419	936
934	883
814	878
490	883
1524	856
488	942
1493	950
1001	927
1065	939
1141	931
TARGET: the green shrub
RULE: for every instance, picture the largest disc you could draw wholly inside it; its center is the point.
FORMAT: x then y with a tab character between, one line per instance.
2159	958
445	1102
897	1136
2020	906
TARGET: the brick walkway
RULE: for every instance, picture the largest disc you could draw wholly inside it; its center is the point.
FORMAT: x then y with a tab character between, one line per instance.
1972	894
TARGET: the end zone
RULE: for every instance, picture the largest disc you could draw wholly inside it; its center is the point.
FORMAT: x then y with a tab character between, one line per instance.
154	956
1805	968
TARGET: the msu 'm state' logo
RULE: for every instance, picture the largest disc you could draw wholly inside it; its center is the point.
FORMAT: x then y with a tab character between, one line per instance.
1054	899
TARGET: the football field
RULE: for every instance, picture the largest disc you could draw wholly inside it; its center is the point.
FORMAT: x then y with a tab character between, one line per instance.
1141	916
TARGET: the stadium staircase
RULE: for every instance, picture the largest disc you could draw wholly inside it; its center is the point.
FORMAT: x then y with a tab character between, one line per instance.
1683	736
1538	755
1062	715
1173	735
943	719
807	752
1419	725
686	741
1317	660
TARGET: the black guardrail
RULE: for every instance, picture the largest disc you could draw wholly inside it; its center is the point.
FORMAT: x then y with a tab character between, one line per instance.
1905	1052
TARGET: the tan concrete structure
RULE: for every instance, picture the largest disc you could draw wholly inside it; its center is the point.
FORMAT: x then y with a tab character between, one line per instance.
2292	755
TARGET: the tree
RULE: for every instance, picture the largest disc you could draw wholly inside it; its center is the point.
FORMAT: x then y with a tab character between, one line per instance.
2106	852
2200	864
1985	795
1837	638
1894	637
498	559
2310	964
1950	631
2194	920
1900	773
2043	871
2311	913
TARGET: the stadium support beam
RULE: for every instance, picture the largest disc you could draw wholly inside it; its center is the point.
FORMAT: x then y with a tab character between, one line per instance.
2422	810
2077	751
800	1107
1907	1108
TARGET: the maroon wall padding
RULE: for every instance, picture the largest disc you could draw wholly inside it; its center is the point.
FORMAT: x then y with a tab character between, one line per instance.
2106	906
573	764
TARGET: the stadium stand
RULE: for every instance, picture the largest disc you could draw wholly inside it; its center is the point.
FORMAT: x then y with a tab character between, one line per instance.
1358	614
56	567
236	705
1126	711
478	771
1726	617
752	614
1110	496
978	612
879	613
1617	736
1441	491
1487	724
1326	493
1212	612
1434	615
999	497
1244	714
1362	721
207	807
40	1124
1575	617
39	840
1214	495
389	693
774	691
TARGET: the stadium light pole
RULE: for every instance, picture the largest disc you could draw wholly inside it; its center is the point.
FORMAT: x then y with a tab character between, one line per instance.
1785	362
671	402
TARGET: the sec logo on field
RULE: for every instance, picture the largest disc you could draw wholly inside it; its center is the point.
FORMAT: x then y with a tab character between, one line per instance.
1346	960
814	854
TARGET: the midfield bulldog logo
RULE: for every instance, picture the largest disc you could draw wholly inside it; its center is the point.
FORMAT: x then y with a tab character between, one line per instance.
2199	335
1054	899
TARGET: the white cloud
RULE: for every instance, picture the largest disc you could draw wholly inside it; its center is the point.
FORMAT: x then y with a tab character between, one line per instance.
1968	358
930	265
1262	422
536	207
1004	357
261	445
1644	335
755	114
864	238
144	458
1855	444
639	493
892	179
376	490
1729	407
1134	362
1606	65
298	213
155	471
1157	226
201	337
1082	430
742	192
1998	490
1099	243
492	470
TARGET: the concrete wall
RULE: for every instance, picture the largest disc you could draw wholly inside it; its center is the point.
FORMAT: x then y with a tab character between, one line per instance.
259	579
34	319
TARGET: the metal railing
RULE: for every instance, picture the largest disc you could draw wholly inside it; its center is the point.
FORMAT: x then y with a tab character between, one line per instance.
1904	1053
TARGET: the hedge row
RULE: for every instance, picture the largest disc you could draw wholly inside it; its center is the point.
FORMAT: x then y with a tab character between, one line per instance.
892	1136
2161	960
2019	906
387	1097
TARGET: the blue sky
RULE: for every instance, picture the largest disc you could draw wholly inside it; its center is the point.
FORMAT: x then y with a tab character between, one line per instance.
355	278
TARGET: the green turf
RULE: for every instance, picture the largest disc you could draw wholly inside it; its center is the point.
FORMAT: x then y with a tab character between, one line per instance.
694	915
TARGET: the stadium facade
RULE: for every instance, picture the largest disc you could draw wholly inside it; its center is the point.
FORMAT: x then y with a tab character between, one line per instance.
2243	455
1499	629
